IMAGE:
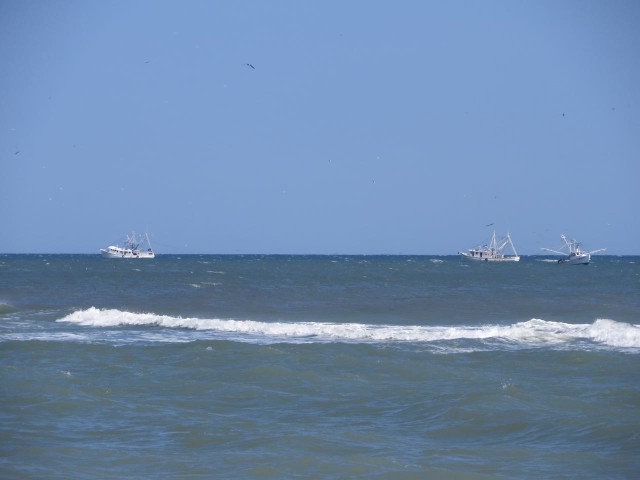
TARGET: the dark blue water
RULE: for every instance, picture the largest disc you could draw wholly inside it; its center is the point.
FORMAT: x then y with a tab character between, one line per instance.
318	367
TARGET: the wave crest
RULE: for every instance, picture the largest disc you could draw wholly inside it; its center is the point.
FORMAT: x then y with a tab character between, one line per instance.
5	308
614	333
532	333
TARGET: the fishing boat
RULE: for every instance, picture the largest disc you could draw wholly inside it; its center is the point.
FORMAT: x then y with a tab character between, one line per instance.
132	247
493	251
572	253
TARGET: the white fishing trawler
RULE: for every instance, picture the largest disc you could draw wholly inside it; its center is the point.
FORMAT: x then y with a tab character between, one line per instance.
572	254
493	251
132	247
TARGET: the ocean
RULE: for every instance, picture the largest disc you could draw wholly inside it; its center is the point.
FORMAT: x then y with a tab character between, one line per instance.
270	367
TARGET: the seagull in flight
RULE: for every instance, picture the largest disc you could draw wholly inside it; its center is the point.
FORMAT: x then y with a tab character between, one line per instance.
249	65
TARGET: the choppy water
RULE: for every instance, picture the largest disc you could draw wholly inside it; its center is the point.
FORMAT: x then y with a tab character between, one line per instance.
318	367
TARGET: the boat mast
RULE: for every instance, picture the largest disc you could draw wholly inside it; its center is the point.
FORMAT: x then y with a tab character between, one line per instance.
493	244
513	247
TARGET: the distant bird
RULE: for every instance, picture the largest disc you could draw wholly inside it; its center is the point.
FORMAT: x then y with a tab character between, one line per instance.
16	152
249	65
488	225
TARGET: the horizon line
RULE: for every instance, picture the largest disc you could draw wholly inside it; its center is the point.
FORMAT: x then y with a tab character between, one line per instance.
317	254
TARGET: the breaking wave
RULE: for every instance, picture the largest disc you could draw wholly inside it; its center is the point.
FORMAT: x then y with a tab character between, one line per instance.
529	334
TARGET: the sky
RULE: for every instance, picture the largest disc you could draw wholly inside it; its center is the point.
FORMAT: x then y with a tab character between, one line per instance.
319	127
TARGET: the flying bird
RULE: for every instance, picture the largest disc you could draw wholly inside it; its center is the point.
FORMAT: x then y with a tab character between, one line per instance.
249	65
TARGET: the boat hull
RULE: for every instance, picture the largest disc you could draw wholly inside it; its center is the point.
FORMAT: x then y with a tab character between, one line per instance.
582	259
117	252
503	258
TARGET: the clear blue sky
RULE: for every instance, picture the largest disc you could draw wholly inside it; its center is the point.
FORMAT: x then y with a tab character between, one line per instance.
365	127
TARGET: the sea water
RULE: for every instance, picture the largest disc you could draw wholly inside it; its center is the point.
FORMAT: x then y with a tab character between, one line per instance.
405	367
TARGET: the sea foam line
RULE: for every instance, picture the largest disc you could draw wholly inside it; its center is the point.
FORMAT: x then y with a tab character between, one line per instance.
532	332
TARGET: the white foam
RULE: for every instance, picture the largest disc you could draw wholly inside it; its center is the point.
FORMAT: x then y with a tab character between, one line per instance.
615	334
535	332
